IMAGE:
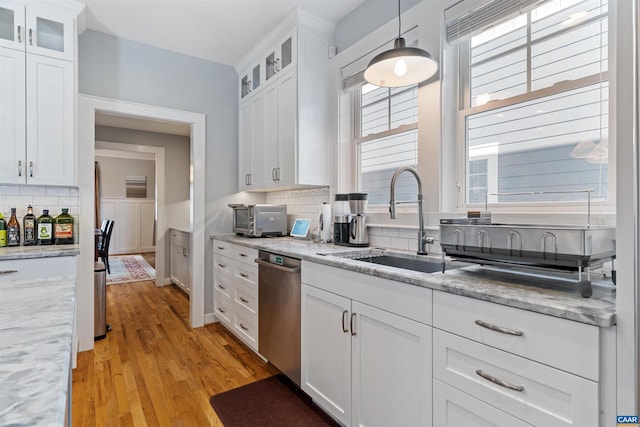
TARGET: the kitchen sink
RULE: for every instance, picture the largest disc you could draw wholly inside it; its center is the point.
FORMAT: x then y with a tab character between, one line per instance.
404	261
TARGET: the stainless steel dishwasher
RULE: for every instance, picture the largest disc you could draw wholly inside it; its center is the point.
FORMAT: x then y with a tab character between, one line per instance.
279	312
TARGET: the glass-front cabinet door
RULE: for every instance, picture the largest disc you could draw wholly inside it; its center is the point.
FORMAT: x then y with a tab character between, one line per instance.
287	52
12	29
270	66
244	86
256	77
49	33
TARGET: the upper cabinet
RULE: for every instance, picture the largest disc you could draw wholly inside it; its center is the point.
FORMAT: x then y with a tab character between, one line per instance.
38	92
36	29
283	108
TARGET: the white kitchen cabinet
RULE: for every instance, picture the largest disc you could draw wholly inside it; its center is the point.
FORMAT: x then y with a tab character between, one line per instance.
37	51
453	408
287	134
235	290
251	81
181	260
519	362
357	358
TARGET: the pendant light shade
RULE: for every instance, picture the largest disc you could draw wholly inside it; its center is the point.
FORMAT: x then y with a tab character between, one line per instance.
400	66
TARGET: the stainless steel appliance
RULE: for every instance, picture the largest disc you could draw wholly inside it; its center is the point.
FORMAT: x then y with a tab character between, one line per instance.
100	326
279	312
341	214
571	248
259	220
358	235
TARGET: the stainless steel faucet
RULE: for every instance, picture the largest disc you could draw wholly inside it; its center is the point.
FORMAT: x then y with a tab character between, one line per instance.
423	239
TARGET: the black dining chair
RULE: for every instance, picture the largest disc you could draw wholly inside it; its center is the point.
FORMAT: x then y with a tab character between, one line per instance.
103	248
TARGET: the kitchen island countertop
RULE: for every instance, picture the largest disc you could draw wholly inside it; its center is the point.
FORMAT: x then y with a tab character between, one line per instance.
547	295
36	330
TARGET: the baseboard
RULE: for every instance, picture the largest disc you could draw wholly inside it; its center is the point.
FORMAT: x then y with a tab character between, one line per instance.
210	318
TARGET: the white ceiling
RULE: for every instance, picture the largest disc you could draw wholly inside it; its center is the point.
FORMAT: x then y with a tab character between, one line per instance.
217	30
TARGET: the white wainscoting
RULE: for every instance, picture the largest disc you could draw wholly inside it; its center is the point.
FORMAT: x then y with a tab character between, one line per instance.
133	227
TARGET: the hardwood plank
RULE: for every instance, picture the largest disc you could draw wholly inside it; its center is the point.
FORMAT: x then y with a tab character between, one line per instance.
153	369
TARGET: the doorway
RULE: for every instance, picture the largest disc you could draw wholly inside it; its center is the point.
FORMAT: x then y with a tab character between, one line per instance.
91	107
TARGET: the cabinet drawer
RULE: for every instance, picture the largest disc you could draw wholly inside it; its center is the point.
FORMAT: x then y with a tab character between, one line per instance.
545	396
560	343
245	255
453	408
247	275
222	307
224	283
37	268
246	329
246	300
222	264
222	248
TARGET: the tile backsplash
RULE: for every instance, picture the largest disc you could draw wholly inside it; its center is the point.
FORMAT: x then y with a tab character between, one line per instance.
302	204
39	197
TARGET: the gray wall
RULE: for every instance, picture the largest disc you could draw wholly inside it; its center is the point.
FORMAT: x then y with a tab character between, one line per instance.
121	69
367	18
114	172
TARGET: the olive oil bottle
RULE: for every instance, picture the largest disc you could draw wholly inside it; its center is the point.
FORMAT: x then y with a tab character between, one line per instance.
45	228
64	228
3	231
13	230
29	228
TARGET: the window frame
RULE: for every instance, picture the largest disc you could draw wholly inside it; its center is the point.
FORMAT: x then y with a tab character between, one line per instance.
464	109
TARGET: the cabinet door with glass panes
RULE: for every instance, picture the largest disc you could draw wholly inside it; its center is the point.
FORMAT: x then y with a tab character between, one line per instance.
37	30
251	81
283	56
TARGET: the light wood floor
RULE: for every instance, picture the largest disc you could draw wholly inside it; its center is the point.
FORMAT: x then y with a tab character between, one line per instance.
153	369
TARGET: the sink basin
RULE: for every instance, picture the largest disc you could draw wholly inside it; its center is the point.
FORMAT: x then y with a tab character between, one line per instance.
405	263
398	260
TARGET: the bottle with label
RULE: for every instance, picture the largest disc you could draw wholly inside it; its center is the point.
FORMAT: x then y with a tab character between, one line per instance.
3	231
29	228
45	228
64	228
13	230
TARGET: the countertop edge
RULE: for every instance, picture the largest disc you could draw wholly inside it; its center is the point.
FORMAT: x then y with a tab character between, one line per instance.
30	252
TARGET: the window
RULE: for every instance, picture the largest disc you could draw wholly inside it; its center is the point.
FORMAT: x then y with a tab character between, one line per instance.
386	138
535	112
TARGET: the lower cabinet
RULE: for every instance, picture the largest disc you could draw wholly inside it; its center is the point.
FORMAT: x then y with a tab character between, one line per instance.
181	260
363	364
235	290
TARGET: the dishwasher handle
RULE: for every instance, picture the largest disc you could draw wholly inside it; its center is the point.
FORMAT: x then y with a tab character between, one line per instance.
268	264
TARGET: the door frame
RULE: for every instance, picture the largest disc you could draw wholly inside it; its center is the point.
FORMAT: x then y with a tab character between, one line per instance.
88	106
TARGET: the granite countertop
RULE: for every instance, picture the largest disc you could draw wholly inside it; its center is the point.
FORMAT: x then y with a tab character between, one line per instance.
183	228
36	329
22	252
547	295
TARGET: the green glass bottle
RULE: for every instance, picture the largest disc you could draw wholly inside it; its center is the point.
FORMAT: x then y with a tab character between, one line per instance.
29	228
3	232
45	228
64	228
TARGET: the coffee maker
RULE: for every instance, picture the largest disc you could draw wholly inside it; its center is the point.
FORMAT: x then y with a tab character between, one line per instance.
358	235
341	220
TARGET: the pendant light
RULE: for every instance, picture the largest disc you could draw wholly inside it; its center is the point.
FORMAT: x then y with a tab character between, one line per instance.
400	66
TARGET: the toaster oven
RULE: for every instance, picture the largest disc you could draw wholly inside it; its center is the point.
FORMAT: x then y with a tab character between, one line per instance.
259	220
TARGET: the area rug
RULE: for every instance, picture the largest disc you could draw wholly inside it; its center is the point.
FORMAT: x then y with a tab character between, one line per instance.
129	268
271	402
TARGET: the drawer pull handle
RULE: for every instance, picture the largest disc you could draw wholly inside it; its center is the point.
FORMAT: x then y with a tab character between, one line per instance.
8	271
222	287
499	328
221	310
244	300
244	327
499	382
220	247
344	321
221	265
242	255
244	275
